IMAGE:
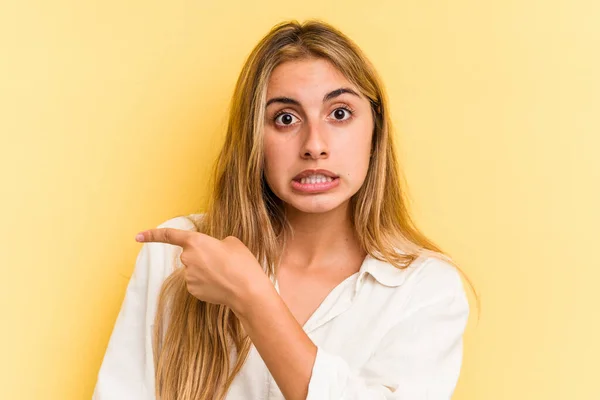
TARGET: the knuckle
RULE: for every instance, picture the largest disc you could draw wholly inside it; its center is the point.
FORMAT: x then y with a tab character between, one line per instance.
230	239
191	241
184	257
194	240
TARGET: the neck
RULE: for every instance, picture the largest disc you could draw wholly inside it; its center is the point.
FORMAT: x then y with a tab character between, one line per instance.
320	240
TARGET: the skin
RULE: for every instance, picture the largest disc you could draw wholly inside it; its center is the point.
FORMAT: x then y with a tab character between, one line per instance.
323	250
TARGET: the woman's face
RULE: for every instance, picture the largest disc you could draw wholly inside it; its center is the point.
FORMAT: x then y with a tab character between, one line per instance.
315	120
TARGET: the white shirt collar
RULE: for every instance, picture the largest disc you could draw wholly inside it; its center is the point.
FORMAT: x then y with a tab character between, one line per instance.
384	272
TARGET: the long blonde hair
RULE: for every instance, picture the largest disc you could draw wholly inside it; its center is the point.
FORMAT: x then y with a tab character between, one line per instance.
192	339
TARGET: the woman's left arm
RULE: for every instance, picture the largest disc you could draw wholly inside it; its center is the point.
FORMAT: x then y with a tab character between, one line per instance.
418	358
286	349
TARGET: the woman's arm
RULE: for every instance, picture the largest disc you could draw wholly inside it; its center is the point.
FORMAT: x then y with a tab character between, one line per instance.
419	358
287	351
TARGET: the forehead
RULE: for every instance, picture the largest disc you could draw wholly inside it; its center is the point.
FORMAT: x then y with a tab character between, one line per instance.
306	77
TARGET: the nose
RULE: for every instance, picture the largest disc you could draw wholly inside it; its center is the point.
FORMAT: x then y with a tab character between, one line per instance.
314	145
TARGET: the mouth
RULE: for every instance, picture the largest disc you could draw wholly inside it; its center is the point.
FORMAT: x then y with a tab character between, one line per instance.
316	183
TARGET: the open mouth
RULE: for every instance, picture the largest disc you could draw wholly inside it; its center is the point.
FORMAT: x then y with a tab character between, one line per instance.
314	184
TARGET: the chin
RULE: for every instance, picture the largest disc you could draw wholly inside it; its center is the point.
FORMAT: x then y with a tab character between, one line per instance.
311	203
312	210
314	205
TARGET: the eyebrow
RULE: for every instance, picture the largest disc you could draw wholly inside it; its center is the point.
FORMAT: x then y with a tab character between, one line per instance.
331	95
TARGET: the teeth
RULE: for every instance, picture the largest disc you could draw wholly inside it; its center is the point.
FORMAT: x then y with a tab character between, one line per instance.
316	179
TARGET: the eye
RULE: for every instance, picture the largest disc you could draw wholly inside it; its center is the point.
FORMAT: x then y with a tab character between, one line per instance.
341	114
285	119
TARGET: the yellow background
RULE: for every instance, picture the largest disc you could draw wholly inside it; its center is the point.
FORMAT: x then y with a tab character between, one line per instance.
111	113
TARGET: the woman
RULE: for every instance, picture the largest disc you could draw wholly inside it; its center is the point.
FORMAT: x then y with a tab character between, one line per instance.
305	278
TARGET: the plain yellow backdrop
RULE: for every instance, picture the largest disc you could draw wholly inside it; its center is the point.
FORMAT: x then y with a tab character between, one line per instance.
111	113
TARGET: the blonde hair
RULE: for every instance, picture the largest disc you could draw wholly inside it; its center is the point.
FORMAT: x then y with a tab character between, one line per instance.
192	349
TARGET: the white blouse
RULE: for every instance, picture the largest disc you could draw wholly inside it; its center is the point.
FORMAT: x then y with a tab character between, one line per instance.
382	333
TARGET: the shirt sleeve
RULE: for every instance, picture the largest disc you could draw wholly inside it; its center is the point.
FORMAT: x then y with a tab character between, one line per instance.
127	370
418	358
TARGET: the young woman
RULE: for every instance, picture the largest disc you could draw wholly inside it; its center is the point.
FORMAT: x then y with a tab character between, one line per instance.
305	278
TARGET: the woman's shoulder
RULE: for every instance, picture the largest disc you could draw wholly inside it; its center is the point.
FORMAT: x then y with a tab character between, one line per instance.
433	279
429	287
438	273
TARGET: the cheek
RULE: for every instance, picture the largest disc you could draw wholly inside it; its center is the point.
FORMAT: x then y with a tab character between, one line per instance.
358	167
358	142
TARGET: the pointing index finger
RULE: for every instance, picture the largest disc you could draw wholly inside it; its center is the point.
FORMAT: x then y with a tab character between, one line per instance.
174	236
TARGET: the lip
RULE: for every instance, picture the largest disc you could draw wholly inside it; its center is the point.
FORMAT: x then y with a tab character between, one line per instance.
308	172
